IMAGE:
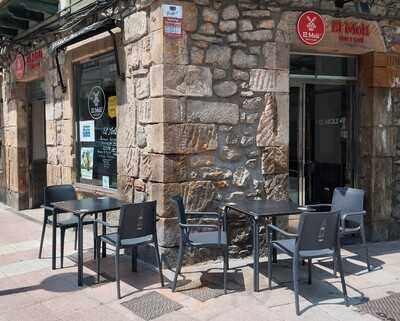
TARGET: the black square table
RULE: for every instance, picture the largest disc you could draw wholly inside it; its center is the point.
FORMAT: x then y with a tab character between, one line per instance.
257	210
81	208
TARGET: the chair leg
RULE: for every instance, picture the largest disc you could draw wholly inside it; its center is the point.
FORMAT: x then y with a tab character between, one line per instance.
134	259
158	259
98	258
309	271
340	267
270	258
76	238
226	265
178	266
364	241
296	283
42	238
62	239
117	272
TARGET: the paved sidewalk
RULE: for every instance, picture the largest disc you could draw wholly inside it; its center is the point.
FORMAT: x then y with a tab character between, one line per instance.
30	290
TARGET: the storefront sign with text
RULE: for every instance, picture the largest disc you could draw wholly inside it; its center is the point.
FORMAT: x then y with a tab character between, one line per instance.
172	16
350	31
311	28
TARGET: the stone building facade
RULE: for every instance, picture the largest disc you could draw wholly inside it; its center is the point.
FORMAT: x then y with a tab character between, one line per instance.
206	114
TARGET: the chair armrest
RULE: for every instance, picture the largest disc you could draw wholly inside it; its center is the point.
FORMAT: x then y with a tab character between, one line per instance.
318	205
105	224
48	208
347	216
189	226
277	229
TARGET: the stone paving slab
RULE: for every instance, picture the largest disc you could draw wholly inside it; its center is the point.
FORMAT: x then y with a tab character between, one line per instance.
30	290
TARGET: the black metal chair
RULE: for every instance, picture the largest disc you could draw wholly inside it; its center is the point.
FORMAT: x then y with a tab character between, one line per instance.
58	193
350	203
137	226
216	238
317	237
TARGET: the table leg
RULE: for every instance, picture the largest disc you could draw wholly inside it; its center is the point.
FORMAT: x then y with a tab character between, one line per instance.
80	250
274	252
54	246
256	255
104	231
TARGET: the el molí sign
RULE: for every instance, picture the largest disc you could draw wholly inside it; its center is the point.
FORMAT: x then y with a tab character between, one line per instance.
350	31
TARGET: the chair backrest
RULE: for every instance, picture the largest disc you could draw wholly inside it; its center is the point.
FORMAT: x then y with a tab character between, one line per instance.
137	220
347	200
58	193
180	208
318	231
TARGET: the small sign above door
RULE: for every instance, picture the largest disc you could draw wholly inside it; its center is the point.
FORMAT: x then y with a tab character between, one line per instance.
311	28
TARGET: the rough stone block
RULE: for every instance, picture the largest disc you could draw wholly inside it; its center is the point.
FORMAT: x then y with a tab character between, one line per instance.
128	161
225	89
168	232
162	110
262	80
162	168
135	26
258	35
125	187
65	156
54	176
181	138
165	50
242	60
65	132
52	155
220	56
178	80
276	187
67	175
212	112
276	55
275	160
126	125
384	141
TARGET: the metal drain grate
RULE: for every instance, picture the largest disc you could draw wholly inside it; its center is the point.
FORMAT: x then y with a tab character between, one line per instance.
204	294
151	305
386	308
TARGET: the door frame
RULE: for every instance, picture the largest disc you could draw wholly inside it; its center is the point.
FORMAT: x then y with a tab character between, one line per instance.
352	149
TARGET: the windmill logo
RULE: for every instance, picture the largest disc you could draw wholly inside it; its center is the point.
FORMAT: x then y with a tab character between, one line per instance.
311	28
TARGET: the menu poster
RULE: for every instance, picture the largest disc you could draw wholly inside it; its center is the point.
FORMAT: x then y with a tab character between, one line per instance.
87	162
86	130
106	151
106	181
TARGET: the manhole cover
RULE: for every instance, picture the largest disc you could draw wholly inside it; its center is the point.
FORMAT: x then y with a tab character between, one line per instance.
151	305
386	308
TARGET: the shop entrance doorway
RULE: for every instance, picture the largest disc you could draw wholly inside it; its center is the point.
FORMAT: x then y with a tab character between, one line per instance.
322	123
37	149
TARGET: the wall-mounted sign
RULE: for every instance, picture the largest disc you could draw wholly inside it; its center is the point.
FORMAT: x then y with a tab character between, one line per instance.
96	102
87	162
34	59
350	31
86	131
19	67
311	28
112	106
172	17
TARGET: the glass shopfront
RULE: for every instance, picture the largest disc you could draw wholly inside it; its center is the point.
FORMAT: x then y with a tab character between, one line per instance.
321	134
96	121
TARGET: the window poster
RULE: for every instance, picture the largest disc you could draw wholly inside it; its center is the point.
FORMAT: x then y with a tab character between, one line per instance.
86	130
106	181
87	162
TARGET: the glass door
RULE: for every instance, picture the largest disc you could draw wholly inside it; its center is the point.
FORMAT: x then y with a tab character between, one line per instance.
320	141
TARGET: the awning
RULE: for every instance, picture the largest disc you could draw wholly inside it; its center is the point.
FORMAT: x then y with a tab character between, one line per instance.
82	34
19	16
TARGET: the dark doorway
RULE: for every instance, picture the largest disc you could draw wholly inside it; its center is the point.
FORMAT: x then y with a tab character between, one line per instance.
37	150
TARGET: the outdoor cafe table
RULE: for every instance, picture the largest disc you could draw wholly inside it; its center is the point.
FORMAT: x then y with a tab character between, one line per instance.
81	208
257	210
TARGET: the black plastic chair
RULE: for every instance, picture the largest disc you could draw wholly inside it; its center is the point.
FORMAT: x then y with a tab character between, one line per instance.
317	237
137	226
216	238
350	203
58	193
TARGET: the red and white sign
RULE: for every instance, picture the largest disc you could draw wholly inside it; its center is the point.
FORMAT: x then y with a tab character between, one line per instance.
19	67
311	28
172	16
351	31
34	59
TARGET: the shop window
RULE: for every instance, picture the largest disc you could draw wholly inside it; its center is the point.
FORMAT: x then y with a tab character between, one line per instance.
323	66
96	120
